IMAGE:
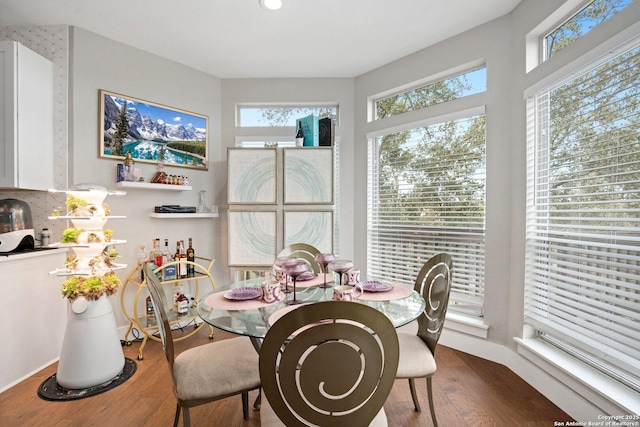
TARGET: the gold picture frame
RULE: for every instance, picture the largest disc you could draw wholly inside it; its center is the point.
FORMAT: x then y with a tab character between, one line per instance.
152	132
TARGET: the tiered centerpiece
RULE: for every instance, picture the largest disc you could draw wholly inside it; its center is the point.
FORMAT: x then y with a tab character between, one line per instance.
91	351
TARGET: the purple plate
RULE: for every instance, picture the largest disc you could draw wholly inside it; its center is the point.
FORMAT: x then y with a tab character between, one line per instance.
374	286
307	276
241	294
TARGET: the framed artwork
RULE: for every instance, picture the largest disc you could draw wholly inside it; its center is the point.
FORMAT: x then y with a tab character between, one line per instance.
252	238
152	132
308	175
312	227
251	175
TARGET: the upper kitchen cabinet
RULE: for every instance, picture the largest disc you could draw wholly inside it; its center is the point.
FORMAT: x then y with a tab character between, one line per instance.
26	118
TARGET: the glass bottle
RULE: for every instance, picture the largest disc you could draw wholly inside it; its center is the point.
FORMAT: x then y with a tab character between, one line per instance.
299	136
191	256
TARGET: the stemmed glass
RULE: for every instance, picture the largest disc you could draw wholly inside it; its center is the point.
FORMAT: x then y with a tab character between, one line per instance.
340	266
279	262
323	260
295	269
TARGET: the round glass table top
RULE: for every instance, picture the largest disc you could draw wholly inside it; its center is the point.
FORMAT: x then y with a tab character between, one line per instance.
253	320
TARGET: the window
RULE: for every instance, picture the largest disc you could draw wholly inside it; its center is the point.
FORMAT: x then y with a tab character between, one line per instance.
579	24
427	195
459	86
280	115
582	283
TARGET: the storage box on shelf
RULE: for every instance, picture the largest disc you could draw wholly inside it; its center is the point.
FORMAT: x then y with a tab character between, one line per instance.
195	286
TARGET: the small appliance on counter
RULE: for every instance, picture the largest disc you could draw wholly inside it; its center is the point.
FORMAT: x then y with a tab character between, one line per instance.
16	226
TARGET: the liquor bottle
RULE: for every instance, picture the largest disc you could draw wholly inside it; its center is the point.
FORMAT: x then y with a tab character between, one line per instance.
149	305
299	136
142	260
182	303
166	255
191	256
182	257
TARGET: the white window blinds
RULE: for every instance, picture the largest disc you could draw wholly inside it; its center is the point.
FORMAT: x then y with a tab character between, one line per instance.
582	284
426	195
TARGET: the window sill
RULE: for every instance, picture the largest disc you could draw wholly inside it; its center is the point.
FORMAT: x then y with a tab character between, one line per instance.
468	325
608	395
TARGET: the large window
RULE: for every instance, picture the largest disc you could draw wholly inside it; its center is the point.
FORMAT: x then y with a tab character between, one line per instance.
582	284
281	115
427	195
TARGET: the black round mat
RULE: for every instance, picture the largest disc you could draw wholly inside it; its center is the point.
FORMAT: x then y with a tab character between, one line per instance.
51	390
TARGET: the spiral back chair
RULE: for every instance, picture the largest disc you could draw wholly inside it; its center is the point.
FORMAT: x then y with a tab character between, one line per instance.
417	351
328	363
303	252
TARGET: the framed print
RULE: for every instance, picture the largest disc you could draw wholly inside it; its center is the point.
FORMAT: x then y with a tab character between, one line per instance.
312	227
152	132
308	175
251	175
252	238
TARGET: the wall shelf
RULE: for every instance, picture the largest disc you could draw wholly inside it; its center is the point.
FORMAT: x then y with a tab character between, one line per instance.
183	215
152	186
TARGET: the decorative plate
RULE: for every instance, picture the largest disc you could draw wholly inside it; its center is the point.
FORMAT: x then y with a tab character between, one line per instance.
374	286
241	294
306	276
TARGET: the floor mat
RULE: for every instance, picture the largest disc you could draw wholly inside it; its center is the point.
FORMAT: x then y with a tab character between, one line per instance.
51	390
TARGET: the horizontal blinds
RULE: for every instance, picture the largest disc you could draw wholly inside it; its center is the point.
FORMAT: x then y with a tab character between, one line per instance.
426	196
582	284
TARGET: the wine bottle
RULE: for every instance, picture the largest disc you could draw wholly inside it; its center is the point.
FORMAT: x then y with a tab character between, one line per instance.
182	257
191	256
299	136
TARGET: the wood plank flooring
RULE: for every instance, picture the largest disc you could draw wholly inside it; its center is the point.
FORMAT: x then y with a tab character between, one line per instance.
468	391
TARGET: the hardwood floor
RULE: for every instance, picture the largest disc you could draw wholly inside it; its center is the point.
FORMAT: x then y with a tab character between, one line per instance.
468	391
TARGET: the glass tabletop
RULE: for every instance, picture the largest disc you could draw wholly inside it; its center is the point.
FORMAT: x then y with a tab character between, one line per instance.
254	322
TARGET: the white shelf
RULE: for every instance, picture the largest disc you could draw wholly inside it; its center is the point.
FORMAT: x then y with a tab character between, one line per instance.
183	215
152	186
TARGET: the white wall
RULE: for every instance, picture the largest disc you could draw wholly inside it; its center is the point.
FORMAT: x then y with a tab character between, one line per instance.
100	63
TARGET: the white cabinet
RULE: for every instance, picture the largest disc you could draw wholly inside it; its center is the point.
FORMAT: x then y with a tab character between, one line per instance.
26	118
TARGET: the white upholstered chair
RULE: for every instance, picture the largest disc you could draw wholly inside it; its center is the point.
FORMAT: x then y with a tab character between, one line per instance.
330	363
417	350
209	372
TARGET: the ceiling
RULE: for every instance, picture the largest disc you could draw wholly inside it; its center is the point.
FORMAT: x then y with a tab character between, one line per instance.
239	39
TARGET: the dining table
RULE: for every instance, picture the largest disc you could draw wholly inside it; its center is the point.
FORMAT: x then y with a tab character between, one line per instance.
238	307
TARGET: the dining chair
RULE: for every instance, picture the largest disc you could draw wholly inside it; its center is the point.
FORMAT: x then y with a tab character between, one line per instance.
205	373
417	350
328	363
304	252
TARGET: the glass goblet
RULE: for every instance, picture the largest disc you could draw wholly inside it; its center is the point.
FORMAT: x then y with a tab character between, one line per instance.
323	260
295	270
279	263
340	266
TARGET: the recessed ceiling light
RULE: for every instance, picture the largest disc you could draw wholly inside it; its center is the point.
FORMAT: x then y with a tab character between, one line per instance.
271	4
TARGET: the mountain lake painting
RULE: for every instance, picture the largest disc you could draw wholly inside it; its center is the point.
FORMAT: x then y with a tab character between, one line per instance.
151	132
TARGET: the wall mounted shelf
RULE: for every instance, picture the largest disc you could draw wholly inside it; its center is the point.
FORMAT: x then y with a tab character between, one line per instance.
152	186
183	215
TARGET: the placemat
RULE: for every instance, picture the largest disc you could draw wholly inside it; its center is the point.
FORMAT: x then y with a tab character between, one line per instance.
397	292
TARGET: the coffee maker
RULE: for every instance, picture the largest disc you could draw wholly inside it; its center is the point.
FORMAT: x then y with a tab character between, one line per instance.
16	226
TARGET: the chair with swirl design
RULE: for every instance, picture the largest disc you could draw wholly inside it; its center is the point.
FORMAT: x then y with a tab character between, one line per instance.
417	350
304	252
328	363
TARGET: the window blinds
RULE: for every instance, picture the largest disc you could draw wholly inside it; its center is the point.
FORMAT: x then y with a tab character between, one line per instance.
426	194
582	283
